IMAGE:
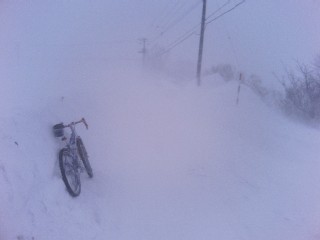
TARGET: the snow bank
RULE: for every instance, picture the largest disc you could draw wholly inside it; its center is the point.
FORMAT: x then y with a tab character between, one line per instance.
169	161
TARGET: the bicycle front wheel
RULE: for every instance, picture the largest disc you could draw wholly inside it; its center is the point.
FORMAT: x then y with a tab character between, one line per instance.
84	157
69	172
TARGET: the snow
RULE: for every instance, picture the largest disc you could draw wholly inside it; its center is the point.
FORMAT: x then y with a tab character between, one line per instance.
169	161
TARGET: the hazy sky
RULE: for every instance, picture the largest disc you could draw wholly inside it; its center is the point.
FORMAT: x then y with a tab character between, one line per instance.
259	36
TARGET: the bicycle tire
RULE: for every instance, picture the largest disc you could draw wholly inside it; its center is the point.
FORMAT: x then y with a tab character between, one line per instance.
84	157
70	174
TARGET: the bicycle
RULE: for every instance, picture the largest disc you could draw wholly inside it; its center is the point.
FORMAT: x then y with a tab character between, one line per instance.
70	165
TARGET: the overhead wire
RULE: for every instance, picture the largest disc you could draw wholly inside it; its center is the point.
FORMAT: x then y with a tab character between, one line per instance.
177	43
169	14
214	12
159	17
181	39
176	21
174	12
224	13
192	31
179	19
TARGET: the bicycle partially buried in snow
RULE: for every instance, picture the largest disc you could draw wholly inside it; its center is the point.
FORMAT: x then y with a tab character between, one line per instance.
70	155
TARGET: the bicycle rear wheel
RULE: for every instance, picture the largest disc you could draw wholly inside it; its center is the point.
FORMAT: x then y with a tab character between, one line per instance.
69	172
84	157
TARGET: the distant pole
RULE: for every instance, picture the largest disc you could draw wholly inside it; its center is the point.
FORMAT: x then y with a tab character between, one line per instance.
18	51
203	20
239	88
144	49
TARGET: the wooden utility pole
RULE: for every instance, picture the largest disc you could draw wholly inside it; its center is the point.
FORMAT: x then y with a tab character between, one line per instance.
239	88
144	49
203	20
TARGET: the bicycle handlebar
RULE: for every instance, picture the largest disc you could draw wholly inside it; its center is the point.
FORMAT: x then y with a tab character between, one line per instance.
80	121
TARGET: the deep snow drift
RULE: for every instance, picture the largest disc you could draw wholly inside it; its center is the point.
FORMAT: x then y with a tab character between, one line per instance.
170	161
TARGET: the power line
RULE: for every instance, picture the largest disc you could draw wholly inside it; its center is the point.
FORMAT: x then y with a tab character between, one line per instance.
222	14
176	21
159	17
182	38
192	31
213	13
175	10
177	43
169	13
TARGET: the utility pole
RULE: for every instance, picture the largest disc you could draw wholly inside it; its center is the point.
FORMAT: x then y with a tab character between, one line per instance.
239	88
144	49
203	20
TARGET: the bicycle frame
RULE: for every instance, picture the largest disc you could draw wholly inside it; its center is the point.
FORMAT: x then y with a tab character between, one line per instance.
71	145
72	141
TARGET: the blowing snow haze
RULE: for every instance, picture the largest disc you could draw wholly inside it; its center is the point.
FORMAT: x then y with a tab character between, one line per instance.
171	160
259	37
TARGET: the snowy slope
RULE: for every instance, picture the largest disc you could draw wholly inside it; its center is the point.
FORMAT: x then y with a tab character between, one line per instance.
170	162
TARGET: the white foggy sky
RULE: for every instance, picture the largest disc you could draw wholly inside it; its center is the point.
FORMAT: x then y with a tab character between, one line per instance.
266	35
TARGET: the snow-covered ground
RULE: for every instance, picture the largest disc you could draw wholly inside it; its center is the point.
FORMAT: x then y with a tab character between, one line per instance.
170	161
